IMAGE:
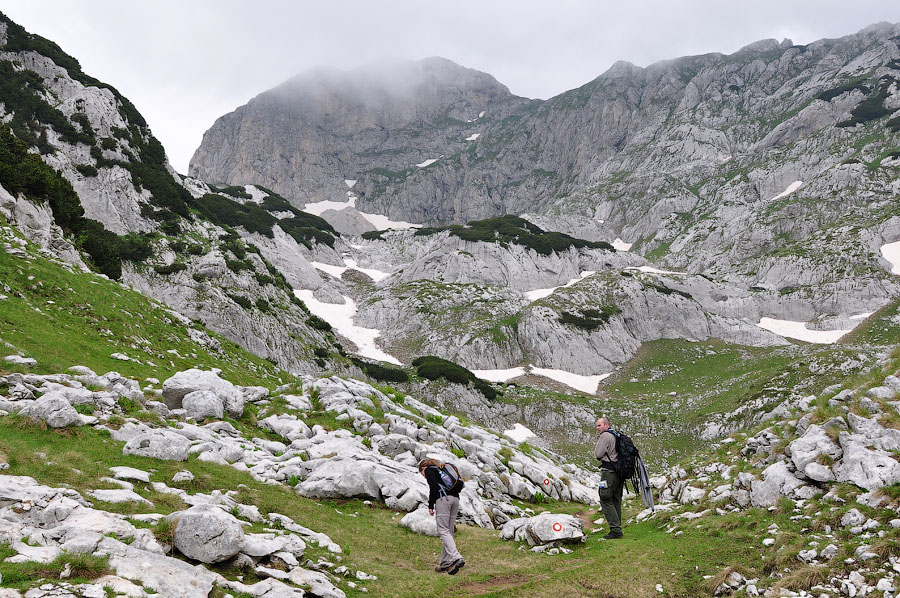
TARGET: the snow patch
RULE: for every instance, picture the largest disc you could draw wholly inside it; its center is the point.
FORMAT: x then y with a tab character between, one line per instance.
799	331
620	245
383	222
862	316
427	162
350	183
499	375
341	319
379	221
335	271
790	189
586	384
318	207
891	252
541	293
519	433
473	137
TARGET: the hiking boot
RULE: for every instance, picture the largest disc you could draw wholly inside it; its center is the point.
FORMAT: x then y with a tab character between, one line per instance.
456	566
441	569
613	536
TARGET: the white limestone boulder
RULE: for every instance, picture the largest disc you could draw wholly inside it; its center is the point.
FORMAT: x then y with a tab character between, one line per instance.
159	444
168	576
203	404
544	529
868	468
54	410
207	533
188	381
806	451
777	481
554	527
420	522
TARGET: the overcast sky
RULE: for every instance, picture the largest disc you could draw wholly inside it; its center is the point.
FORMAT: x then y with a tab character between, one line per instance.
184	63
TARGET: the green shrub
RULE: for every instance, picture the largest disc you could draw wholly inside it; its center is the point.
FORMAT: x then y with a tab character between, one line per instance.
590	319
373	235
237	266
229	213
235	246
108	143
510	229
433	368
872	108
380	372
262	305
172	268
240	300
233	191
830	94
318	323
87	170
320	352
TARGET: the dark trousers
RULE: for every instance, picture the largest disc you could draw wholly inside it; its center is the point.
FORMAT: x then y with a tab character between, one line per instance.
611	499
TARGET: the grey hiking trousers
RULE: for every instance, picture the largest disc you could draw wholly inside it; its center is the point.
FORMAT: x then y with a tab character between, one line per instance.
445	510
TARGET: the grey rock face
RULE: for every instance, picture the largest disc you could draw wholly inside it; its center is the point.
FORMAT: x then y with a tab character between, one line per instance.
202	404
54	410
390	116
207	534
601	160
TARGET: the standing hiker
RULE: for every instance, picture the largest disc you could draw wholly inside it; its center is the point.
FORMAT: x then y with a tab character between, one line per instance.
444	485
611	485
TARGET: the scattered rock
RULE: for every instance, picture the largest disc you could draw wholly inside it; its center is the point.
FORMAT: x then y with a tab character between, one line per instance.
19	360
54	410
159	444
207	533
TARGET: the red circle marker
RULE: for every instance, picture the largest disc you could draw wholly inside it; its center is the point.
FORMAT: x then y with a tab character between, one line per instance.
557	527
546	481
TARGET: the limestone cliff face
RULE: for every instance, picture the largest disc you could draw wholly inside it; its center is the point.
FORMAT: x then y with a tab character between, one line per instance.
305	137
688	159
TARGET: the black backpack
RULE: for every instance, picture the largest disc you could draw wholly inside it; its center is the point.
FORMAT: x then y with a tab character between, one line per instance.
628	456
450	479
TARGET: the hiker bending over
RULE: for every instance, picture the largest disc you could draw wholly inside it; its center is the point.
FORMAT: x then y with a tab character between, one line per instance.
610	484
443	503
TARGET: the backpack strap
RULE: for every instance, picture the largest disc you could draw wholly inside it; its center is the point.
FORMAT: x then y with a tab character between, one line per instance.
441	490
616	436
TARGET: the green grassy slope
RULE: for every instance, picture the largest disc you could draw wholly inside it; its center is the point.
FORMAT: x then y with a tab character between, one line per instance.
64	318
